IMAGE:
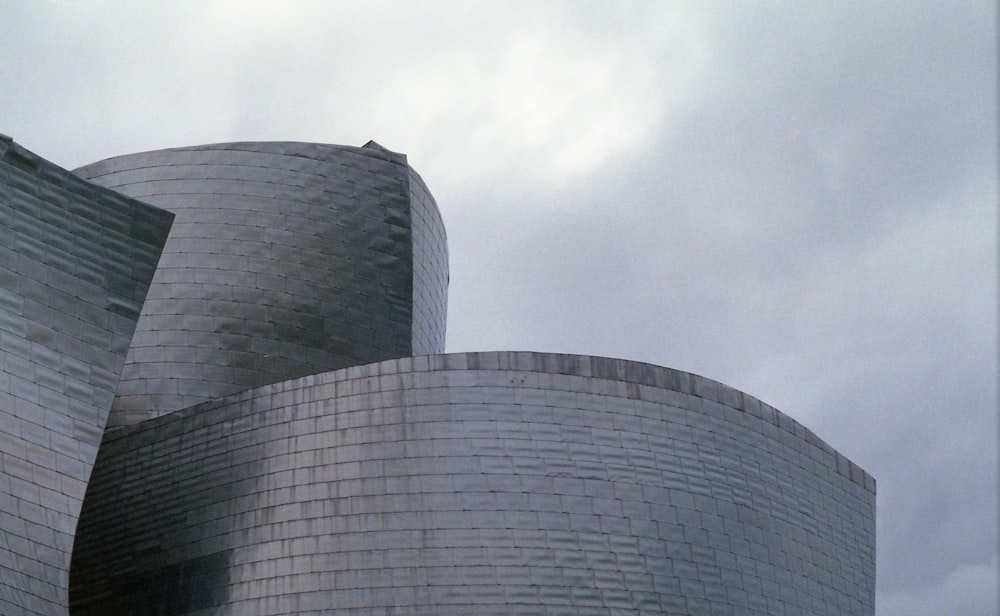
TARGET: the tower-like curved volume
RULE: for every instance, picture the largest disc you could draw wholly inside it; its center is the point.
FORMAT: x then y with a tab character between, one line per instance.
76	261
286	259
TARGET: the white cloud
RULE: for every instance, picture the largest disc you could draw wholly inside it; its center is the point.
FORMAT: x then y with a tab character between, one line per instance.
539	97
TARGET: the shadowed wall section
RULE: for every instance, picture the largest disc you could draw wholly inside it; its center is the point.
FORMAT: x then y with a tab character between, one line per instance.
486	483
285	259
76	261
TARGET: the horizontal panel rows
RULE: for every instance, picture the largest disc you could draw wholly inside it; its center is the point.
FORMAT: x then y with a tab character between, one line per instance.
75	263
575	496
285	259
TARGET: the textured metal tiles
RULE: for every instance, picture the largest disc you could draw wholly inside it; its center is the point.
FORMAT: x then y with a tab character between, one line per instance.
75	267
598	486
286	259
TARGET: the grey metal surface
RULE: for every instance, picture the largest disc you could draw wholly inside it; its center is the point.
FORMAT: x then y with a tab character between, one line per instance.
76	261
430	270
285	259
481	483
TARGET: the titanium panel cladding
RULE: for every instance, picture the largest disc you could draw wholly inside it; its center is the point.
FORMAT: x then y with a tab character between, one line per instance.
285	259
485	483
75	265
430	270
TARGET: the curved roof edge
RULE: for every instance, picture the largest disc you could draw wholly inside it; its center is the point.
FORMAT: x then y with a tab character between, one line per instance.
285	148
587	366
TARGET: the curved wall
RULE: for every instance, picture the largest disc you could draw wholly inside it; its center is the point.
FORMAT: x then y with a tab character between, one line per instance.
430	270
285	259
487	483
75	264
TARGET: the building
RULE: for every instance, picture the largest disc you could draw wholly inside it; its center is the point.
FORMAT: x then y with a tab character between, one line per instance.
287	438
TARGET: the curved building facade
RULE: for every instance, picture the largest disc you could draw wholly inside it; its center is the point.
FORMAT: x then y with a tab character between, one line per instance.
76	262
486	483
287	438
285	259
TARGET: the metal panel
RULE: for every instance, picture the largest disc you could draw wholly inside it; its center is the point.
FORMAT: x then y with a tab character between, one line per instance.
76	266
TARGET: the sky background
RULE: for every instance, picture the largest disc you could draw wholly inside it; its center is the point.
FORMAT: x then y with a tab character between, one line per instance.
795	198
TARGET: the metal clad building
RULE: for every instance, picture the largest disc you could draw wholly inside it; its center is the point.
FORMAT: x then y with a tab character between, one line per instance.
287	437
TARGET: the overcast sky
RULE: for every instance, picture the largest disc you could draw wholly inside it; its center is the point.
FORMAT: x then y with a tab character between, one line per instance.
795	198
